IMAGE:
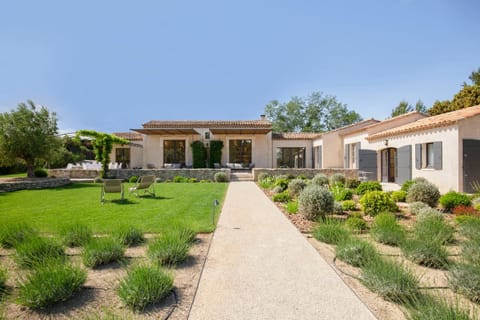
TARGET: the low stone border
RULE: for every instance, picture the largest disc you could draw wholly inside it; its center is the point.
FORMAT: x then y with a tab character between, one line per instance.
309	173
7	185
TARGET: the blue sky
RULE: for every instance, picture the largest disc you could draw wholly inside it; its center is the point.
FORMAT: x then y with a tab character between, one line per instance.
113	65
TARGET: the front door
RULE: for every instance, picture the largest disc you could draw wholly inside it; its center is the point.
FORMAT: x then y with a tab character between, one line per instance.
389	159
471	167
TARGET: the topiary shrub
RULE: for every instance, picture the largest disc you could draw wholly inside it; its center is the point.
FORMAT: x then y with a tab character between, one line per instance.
40	173
337	179
282	197
331	231
453	199
415	207
424	192
144	285
133	179
356	224
340	193
296	186
356	252
399	196
315	202
349	205
385	229
366	186
320	179
221	177
374	202
352	183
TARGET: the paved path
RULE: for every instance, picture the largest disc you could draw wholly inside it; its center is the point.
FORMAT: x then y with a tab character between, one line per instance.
260	267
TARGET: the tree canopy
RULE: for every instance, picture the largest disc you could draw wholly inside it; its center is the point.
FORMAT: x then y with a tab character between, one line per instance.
405	107
315	113
28	133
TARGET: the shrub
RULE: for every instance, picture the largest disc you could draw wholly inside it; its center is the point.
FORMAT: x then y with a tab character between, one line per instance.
296	186
374	202
337	179
192	180
168	250
453	199
340	193
267	182
356	252
406	185
281	182
366	186
302	176
352	183
102	251
12	233
356	224
349	205
315	201
466	211
144	285
385	229
320	179
424	192
465	279
434	229
415	207
429	308
337	207
282	197
399	196
129	235
40	173
50	283
205	181
426	253
263	176
36	250
277	190
331	232
133	179
390	280
220	177
292	207
75	234
428	213
180	179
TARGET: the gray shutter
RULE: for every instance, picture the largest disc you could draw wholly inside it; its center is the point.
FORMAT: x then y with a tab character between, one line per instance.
320	163
437	155
404	164
418	156
357	155
368	162
346	157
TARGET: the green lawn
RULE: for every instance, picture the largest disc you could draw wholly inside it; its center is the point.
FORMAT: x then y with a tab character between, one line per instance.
14	175
188	203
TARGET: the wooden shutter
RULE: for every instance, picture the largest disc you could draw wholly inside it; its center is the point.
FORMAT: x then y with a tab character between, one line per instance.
404	164
357	155
418	156
320	162
346	156
437	155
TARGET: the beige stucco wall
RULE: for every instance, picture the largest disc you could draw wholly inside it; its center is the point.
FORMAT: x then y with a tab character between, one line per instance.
136	153
332	150
448	177
153	149
307	144
317	143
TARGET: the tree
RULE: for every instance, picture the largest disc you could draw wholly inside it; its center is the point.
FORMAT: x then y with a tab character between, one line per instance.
315	113
405	107
102	145
72	151
475	77
28	133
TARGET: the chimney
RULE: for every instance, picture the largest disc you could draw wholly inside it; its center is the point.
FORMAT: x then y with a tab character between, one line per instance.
262	117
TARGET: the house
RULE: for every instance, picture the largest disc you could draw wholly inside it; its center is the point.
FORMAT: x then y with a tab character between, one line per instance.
444	149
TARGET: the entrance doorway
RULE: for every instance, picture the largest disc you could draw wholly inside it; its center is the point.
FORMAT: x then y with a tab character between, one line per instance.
389	164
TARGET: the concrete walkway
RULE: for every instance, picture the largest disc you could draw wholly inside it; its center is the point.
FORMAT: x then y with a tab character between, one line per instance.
260	267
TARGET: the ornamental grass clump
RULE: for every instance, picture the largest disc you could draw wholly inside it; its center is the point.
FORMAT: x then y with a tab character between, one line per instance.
341	193
426	252
169	249
36	251
424	192
331	232
471	251
469	226
434	229
320	179
49	284
337	179
3	282
356	252
144	285
465	279
75	234
101	251
184	232
356	224
374	202
315	202
296	186
454	199
13	233
430	308
385	229
283	196
129	235
391	281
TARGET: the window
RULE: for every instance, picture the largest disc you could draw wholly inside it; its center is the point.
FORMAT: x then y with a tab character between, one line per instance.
240	151
207	135
290	157
429	155
174	151
122	156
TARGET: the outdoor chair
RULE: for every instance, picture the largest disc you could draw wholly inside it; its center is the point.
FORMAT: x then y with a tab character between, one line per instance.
145	183
111	186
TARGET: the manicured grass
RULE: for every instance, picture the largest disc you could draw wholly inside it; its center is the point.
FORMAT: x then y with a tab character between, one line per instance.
176	203
14	175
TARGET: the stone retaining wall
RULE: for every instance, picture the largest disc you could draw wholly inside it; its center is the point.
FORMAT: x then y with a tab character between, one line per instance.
167	174
309	173
35	183
73	173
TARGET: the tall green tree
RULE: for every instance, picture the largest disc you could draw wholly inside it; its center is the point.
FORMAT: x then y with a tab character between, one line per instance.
405	107
314	113
28	133
102	145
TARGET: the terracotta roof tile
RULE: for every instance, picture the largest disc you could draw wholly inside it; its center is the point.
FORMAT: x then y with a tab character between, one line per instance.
440	120
132	136
295	135
355	126
213	124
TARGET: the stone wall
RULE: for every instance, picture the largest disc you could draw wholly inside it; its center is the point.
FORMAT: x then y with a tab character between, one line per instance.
167	174
309	173
35	183
73	173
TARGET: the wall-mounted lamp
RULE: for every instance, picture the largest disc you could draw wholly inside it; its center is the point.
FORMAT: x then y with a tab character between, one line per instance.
386	142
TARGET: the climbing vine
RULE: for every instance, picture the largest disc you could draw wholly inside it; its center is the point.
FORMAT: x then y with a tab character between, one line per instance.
199	153
216	147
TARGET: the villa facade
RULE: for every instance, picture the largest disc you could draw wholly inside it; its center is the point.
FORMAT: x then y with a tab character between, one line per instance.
445	149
